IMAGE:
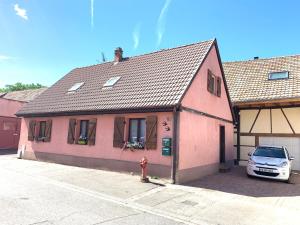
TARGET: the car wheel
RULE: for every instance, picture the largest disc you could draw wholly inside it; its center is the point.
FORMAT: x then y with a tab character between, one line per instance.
288	181
248	175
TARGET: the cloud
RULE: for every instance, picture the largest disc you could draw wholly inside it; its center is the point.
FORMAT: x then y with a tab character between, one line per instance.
136	35
20	12
92	13
161	22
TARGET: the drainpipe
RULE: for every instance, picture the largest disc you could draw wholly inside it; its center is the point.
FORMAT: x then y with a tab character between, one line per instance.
238	142
175	144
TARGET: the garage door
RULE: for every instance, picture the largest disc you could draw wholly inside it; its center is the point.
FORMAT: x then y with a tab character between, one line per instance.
292	144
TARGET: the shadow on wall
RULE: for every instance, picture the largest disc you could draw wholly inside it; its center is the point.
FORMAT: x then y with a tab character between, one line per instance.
8	151
237	182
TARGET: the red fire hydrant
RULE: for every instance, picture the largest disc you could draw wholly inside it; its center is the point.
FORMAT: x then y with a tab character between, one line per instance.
143	164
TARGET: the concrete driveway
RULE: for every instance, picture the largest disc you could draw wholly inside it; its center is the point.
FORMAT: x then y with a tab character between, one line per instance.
237	182
44	193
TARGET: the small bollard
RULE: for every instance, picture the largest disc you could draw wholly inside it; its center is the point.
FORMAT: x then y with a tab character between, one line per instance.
143	164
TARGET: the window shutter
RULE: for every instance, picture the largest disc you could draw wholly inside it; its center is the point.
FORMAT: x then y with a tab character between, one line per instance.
219	86
119	126
71	132
209	80
77	131
92	131
48	131
151	132
37	131
31	130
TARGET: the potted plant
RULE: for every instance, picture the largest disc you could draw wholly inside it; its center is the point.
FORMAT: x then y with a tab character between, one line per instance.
134	145
82	140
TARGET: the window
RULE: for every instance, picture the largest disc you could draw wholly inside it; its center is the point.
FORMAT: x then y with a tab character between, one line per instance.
42	130
137	131
279	75
39	131
111	82
75	87
83	132
271	152
214	84
210	82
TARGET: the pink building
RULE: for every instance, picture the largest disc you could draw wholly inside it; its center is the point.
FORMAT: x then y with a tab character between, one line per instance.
10	125
171	106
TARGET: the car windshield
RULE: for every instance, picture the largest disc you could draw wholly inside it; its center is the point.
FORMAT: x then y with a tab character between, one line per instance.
271	152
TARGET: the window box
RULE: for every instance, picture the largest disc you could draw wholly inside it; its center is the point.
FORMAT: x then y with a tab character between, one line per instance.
82	141
135	145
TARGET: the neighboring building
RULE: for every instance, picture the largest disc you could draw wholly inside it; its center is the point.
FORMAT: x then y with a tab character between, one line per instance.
112	114
10	125
266	97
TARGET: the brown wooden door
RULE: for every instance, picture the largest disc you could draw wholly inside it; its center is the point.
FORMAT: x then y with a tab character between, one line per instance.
9	132
222	144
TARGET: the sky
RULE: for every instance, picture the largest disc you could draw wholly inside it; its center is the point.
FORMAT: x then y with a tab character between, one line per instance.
42	40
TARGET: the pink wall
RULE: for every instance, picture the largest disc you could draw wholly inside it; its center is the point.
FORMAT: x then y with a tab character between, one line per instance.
104	139
9	107
199	135
199	98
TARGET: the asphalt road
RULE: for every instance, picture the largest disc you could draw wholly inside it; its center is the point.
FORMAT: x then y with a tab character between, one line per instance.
28	200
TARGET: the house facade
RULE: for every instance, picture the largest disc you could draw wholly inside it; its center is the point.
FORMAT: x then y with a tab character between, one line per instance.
266	99
10	125
171	106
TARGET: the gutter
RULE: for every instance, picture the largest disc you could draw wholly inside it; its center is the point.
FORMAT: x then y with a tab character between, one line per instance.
175	144
96	112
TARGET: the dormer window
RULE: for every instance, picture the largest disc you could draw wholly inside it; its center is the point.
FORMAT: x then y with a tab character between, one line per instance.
111	82
279	75
75	87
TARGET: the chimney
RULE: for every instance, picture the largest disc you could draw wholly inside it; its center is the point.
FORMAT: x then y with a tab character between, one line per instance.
256	57
118	54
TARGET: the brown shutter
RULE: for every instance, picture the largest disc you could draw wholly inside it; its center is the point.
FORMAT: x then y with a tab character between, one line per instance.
92	131
119	132
219	86
37	131
151	132
71	132
31	130
77	131
48	131
209	80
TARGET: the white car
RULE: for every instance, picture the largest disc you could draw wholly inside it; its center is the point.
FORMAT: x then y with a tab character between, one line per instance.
270	162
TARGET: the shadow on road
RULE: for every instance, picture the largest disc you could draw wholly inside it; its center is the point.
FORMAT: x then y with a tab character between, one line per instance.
8	151
237	182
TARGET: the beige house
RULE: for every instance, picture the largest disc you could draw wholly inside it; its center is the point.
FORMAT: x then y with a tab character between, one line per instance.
266	98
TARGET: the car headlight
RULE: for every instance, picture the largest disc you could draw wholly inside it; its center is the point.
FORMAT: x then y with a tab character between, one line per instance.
284	164
251	162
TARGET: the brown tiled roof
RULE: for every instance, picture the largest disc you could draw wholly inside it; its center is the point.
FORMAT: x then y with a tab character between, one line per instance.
23	96
154	80
248	80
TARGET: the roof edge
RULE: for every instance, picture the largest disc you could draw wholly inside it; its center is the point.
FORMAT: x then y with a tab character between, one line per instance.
149	53
262	59
95	112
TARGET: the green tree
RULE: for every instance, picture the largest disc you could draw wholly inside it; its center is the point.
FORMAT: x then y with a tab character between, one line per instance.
20	86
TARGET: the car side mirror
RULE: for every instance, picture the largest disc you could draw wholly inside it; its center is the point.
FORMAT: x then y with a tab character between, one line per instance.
249	154
292	158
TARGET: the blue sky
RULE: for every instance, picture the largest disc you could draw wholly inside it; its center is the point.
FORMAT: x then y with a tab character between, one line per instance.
40	41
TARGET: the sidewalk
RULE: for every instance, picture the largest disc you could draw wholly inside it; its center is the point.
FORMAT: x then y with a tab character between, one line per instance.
193	205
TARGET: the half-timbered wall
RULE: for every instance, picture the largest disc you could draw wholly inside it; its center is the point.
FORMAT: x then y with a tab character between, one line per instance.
276	126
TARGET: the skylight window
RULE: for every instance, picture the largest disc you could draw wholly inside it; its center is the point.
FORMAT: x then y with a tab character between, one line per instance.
279	75
75	87
111	82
